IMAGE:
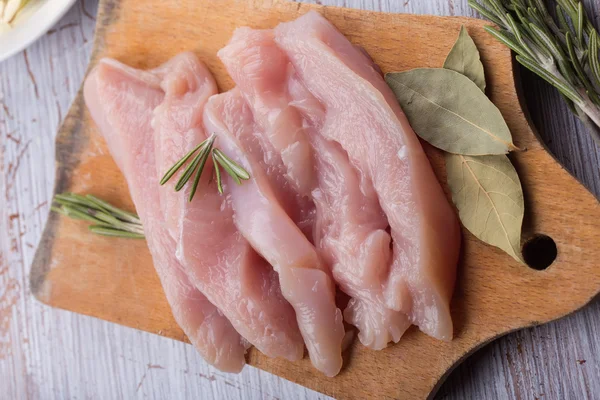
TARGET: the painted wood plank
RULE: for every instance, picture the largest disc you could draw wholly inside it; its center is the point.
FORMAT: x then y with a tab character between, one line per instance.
47	353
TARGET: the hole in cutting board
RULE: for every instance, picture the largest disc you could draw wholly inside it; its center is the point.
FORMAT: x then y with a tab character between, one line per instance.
540	252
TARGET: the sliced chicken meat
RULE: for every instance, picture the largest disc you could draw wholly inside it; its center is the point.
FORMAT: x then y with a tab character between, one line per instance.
121	100
263	86
352	231
260	217
283	145
219	261
340	190
350	228
363	116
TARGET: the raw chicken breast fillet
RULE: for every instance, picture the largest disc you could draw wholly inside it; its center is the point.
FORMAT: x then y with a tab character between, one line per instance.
262	220
363	116
121	100
219	261
258	68
340	190
350	228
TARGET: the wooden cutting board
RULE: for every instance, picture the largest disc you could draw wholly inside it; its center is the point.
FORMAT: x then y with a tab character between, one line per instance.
113	279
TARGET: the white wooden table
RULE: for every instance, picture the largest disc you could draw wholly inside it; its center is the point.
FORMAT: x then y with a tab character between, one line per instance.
53	354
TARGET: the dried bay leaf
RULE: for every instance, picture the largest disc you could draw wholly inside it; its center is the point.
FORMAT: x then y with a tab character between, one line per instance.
488	194
488	180
451	112
464	58
449	109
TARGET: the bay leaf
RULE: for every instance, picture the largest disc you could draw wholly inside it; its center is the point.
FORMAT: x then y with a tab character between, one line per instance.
488	195
465	59
450	111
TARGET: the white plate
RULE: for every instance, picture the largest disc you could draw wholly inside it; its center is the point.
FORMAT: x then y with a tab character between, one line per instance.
33	21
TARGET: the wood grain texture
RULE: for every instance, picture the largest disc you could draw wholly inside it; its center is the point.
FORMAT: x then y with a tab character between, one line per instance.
49	353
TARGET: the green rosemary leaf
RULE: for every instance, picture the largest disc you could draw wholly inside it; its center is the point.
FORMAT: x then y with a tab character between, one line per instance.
87	214
535	17
227	169
78	211
517	5
498	8
541	7
569	7
71	198
548	21
203	157
106	231
540	41
58	210
574	59
72	213
579	70
102	224
232	174
593	57
217	173
205	150
102	214
544	40
189	171
508	41
485	12
593	97
579	24
566	71
589	28
536	52
111	220
585	58
554	81
179	164
517	33
521	15
238	170
117	212
562	20
128	228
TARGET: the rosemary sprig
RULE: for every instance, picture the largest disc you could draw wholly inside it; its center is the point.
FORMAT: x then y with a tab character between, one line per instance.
562	51
107	219
203	151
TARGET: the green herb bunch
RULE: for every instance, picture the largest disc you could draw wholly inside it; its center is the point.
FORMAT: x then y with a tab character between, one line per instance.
107	219
203	151
563	50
